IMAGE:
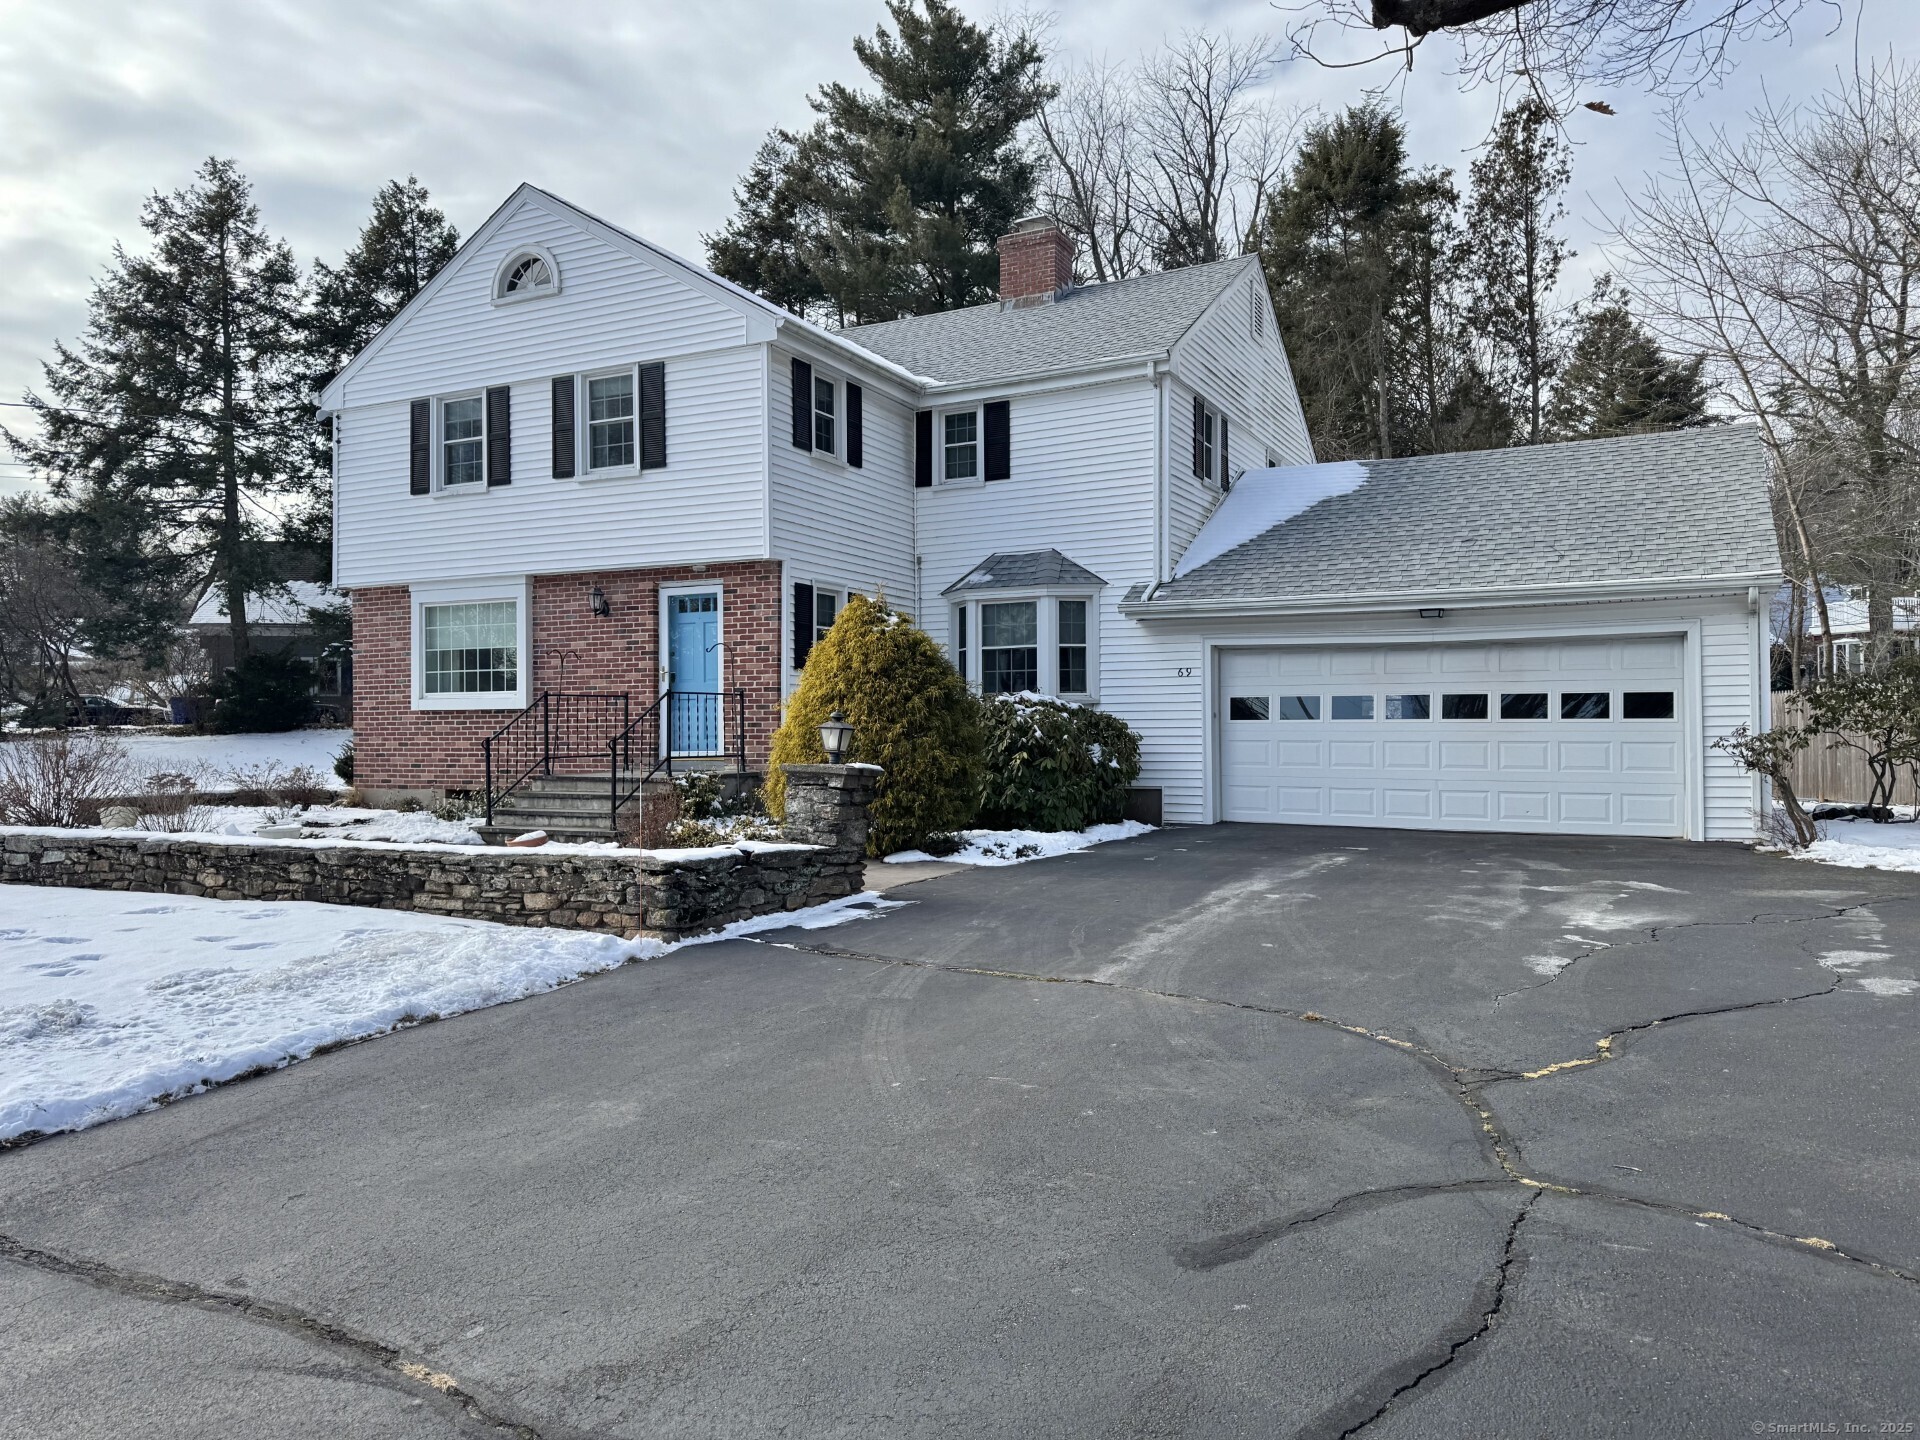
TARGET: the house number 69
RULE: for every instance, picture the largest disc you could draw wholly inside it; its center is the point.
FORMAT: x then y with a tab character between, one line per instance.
1185	672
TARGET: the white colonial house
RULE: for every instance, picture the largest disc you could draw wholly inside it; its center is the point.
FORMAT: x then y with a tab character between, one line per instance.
595	504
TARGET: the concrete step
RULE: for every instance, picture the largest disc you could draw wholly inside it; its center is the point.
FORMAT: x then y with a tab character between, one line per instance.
502	831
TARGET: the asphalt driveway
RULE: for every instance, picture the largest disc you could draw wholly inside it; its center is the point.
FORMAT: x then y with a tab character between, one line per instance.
1227	1131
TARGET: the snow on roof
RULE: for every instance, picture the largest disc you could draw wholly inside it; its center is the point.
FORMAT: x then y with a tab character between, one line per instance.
1688	505
286	605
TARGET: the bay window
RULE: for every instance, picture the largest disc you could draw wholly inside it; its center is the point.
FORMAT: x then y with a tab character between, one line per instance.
1040	643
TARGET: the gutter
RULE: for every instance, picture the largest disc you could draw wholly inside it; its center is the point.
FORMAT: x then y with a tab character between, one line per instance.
1149	608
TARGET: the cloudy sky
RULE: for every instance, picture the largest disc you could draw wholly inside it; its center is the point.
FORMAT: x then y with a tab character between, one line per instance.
642	111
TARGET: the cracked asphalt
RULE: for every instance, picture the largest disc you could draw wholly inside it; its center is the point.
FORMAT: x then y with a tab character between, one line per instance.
1228	1131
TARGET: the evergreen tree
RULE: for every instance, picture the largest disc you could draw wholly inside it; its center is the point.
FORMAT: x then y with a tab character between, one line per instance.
1516	257
177	428
765	247
1619	381
894	200
401	247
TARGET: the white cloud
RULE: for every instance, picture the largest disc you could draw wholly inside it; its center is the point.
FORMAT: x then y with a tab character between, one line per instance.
644	113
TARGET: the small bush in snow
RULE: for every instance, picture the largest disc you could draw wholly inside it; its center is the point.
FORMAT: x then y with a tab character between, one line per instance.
911	713
458	805
60	779
343	763
267	691
1054	766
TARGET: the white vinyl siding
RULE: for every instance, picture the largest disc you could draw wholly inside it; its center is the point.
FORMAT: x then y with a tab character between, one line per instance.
1083	484
614	310
1244	377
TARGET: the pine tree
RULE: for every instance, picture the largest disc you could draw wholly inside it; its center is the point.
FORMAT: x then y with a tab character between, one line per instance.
1619	381
177	428
894	200
401	247
1516	257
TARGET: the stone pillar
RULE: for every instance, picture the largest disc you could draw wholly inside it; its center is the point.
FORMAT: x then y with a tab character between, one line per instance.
827	804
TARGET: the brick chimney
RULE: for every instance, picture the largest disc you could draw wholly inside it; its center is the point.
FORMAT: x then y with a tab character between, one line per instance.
1036	263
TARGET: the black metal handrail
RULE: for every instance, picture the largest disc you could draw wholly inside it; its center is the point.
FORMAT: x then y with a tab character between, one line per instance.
658	731
557	726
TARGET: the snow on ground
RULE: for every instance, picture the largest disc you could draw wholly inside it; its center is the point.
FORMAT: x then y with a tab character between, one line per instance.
328	822
113	1001
1863	845
238	762
1012	847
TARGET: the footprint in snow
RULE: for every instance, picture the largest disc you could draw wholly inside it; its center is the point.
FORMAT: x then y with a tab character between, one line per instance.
254	945
62	939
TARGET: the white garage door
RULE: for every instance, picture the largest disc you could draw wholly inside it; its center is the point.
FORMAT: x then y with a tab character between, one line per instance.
1580	737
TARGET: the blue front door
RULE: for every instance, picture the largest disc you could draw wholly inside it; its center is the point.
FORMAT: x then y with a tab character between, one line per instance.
693	673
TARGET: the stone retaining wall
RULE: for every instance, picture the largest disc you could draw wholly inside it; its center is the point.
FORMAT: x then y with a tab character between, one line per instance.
667	894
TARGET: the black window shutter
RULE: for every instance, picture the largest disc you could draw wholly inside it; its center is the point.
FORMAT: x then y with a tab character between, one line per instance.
998	438
653	416
563	445
420	448
1199	437
1226	475
923	448
856	449
499	435
802	623
802	405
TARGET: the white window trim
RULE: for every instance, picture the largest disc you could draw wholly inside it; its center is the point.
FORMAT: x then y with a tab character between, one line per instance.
979	445
583	467
836	455
1210	430
440	484
518	588
1047	636
505	268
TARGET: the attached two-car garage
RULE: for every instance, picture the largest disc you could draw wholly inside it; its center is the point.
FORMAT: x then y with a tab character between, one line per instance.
1578	736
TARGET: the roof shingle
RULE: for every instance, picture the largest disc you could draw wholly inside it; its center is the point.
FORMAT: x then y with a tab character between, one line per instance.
1686	505
1143	316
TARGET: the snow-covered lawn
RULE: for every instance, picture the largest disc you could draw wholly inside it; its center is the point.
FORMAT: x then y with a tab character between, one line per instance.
1863	845
1012	847
111	1001
237	762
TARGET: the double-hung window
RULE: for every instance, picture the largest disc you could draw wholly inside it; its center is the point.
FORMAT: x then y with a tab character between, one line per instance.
1071	633
960	445
1204	421
825	439
463	441
1009	647
610	416
826	605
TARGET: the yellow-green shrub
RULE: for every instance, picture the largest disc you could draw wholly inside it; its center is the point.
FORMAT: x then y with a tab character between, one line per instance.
911	713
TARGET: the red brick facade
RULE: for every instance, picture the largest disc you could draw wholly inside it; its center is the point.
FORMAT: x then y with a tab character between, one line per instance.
573	650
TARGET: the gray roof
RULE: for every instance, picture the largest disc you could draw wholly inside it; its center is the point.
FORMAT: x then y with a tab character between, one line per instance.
1086	326
1685	505
1024	570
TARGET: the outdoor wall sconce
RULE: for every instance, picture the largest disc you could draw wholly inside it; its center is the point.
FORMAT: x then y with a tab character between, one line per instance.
836	736
598	599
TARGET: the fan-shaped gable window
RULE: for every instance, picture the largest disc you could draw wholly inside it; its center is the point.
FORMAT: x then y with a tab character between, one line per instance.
525	275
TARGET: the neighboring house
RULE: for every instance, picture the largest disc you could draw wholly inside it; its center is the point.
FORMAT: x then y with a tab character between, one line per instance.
278	622
579	466
1845	652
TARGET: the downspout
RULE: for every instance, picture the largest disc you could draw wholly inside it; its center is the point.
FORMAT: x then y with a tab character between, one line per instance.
1161	501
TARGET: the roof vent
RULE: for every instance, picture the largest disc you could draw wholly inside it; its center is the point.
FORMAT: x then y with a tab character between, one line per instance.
1036	263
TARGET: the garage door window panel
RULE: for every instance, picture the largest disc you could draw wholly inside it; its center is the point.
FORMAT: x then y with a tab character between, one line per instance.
1352	707
1248	707
1646	705
1585	705
1409	707
1524	705
1463	707
1299	707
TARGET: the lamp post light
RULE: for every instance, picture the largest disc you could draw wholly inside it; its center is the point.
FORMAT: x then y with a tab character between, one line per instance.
836	736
